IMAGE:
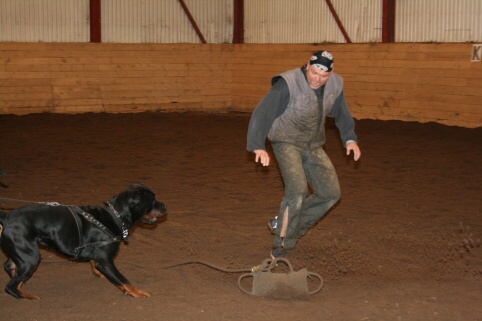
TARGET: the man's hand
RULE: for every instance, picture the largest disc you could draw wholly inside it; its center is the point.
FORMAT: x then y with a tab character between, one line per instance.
352	146
262	156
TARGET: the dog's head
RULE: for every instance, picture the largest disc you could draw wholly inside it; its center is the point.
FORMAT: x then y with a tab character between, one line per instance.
138	203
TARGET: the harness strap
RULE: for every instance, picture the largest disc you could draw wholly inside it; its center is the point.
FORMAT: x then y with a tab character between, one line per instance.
117	219
79	226
95	244
89	217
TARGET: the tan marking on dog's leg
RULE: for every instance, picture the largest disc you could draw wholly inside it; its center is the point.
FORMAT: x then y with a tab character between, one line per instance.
133	291
1	229
25	294
95	271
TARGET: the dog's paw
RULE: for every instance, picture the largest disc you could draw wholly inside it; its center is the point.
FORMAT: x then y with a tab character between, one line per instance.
135	292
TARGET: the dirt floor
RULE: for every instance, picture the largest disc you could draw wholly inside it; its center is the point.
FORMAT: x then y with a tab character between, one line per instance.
404	243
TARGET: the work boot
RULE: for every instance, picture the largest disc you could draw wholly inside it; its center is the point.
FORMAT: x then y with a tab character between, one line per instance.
278	252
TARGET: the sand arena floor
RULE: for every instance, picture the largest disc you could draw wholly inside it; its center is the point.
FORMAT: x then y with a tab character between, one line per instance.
402	244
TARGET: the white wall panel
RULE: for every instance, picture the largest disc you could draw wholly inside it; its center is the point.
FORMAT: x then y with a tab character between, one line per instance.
44	20
164	21
438	20
266	21
362	19
310	21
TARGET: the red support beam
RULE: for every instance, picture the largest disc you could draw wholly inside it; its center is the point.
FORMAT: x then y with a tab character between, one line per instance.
193	22
238	28
388	21
95	23
338	21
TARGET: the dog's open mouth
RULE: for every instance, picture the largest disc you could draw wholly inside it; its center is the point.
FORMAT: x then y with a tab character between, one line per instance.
148	220
151	218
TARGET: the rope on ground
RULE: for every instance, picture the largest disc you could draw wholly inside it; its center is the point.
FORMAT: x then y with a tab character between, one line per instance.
264	266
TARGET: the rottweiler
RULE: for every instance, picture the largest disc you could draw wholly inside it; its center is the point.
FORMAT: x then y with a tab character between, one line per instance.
85	233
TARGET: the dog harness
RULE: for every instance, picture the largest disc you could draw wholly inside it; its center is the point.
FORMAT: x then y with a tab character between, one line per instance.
89	217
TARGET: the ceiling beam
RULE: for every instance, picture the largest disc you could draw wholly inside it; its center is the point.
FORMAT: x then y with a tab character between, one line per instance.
338	21
193	22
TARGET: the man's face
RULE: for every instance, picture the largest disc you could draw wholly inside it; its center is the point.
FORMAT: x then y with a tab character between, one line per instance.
316	77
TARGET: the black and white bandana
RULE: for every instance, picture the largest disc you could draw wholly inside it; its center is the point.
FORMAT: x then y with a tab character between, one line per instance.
322	60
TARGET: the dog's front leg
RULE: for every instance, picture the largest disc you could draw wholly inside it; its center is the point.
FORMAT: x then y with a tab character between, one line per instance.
94	270
109	270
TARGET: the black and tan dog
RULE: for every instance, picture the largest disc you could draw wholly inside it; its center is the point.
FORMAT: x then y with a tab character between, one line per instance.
87	233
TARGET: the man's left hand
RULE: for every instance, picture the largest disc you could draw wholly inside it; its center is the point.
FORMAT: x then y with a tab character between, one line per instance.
352	146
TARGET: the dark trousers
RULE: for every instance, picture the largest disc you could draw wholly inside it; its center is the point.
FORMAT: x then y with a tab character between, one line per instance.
302	166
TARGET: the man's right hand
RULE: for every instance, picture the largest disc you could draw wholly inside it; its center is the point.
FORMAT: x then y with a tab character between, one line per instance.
262	156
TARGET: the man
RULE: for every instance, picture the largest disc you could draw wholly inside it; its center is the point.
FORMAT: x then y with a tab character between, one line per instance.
292	116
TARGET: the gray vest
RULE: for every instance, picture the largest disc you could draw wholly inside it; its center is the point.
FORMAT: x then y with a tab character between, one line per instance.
302	121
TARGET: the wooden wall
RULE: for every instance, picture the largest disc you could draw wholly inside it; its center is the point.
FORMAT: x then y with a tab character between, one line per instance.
411	82
117	78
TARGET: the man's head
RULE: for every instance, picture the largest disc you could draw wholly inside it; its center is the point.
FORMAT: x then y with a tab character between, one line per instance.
319	68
